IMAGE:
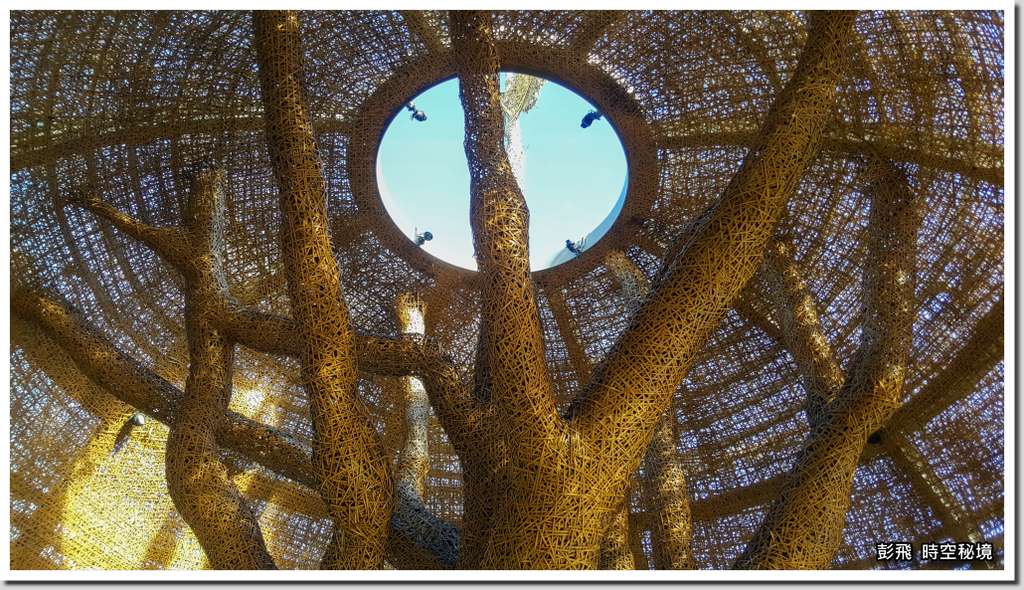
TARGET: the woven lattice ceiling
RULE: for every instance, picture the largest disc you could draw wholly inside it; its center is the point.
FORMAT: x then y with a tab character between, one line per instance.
122	122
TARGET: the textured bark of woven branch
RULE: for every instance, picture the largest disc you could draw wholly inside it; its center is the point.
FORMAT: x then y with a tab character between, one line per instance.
698	285
665	500
616	553
663	496
801	332
500	222
548	463
432	540
514	490
354	475
414	458
418	540
197	480
136	385
803	527
168	242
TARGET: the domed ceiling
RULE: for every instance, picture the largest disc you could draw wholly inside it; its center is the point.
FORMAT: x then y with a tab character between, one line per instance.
123	105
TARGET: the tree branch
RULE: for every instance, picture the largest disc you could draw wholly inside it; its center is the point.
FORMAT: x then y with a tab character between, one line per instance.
414	458
873	387
429	537
135	384
616	553
169	243
631	388
738	499
353	472
257	330
958	379
197	480
790	537
138	386
500	219
801	332
392	356
95	355
666	501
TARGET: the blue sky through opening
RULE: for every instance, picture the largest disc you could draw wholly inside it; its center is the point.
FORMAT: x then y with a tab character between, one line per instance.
573	176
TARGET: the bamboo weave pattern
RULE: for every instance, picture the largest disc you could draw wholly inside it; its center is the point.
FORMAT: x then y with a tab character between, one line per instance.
788	347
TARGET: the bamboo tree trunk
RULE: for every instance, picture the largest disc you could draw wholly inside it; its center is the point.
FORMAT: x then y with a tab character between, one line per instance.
663	494
353	473
197	479
803	528
558	482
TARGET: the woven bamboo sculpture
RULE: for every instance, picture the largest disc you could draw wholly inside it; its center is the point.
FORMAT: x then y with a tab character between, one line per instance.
787	349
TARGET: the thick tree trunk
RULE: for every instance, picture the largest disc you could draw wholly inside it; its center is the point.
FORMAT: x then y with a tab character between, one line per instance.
544	504
353	473
803	527
197	480
553	488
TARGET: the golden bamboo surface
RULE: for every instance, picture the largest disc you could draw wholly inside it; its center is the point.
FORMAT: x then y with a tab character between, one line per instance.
226	355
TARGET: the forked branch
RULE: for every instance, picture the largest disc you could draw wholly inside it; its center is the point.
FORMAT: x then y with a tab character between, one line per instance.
510	326
630	389
197	481
138	386
353	472
791	536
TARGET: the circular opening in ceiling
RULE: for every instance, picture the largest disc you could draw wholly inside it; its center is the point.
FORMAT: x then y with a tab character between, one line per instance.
567	159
